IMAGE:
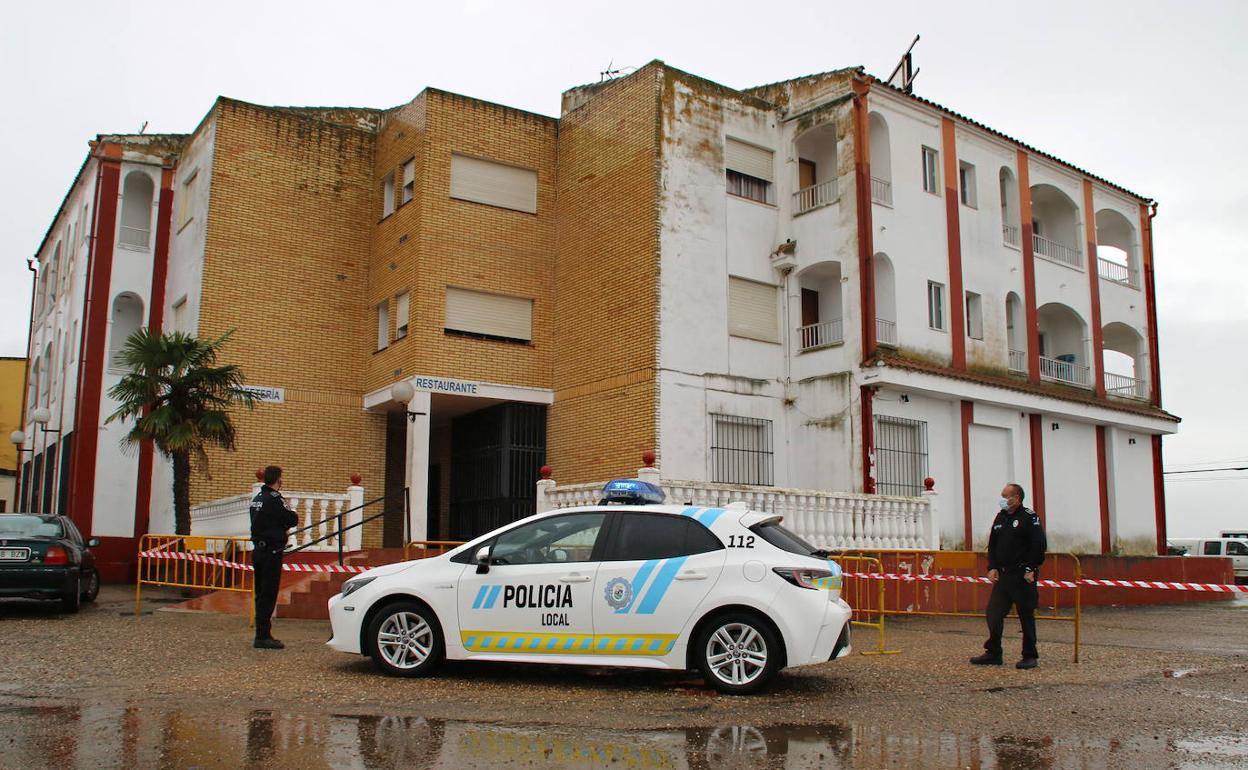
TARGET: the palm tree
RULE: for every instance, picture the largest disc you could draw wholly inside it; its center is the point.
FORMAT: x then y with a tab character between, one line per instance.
179	400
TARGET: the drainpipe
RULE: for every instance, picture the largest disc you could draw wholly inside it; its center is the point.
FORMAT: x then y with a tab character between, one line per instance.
30	334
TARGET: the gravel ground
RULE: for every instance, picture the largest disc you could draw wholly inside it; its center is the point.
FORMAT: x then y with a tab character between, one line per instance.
1153	684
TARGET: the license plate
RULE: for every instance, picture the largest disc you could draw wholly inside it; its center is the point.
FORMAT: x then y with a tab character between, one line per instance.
14	554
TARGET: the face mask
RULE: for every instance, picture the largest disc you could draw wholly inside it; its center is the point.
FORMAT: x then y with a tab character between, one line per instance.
1003	504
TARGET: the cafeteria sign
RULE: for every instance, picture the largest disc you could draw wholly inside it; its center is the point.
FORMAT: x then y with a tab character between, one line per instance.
268	395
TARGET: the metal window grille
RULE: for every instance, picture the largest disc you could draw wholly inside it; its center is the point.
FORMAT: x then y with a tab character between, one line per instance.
741	450
900	456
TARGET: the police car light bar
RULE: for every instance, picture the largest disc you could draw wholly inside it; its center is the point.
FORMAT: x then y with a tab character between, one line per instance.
631	492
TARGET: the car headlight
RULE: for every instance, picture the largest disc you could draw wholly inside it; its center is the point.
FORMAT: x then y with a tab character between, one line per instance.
355	584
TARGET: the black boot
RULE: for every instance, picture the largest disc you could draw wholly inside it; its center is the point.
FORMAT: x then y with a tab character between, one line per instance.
273	644
987	659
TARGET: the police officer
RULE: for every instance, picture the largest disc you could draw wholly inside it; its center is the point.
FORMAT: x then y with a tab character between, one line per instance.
270	518
1015	552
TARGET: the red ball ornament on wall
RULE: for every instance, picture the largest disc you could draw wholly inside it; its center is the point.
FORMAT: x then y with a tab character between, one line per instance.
356	479
259	474
544	471
647	458
929	483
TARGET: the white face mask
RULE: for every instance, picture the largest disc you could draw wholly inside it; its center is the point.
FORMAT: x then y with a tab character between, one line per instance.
1003	504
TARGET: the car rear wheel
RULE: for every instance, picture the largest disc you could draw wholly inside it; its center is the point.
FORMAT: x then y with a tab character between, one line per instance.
738	653
404	639
70	602
91	586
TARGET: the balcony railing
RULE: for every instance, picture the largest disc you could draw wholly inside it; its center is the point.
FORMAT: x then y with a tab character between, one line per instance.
886	332
1116	273
135	236
1125	387
1068	372
1009	235
1018	361
815	196
881	191
1057	252
821	335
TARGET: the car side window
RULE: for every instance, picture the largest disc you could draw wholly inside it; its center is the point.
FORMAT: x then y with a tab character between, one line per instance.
1213	548
643	536
1236	549
554	540
71	529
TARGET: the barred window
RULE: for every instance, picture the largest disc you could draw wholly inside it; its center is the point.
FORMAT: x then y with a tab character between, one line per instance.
741	450
900	456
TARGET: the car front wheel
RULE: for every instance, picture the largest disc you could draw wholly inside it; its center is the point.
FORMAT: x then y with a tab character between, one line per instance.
404	639
737	653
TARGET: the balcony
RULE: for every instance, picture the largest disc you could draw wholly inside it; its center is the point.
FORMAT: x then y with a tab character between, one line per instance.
1125	387
135	237
1116	273
1057	252
1018	361
886	332
822	335
1009	235
1065	372
815	196
881	191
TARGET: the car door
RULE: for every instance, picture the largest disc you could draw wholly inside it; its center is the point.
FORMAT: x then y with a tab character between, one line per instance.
535	597
656	570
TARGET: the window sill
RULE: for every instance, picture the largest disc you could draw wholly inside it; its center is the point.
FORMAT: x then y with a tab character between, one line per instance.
753	339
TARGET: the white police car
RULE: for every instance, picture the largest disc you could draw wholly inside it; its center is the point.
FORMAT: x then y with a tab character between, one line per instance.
628	582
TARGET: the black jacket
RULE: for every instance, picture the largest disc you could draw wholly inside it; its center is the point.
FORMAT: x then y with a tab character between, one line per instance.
1017	541
270	518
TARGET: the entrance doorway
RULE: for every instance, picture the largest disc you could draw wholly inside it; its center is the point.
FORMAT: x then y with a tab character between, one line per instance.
496	454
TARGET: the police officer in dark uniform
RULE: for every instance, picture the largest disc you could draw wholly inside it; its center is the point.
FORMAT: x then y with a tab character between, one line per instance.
1015	552
270	518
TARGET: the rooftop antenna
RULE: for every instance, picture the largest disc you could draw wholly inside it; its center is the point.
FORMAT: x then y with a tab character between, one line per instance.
905	68
142	128
609	72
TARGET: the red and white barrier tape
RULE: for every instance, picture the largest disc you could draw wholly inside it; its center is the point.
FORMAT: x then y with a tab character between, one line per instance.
216	562
1089	582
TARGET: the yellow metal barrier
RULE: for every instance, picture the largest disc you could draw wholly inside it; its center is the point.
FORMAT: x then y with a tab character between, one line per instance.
968	597
423	549
203	563
865	597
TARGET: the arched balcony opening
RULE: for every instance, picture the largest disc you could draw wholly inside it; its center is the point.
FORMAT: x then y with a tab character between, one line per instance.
1063	345
127	318
1116	250
1055	226
1125	360
881	161
885	301
822	323
816	169
1016	333
136	210
1009	208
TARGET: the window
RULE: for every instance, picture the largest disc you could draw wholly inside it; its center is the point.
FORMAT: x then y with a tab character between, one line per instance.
136	210
401	309
784	539
1213	548
554	540
387	196
488	316
741	450
179	315
974	316
127	318
494	184
642	536
900	456
752	310
931	172
966	184
186	202
383	325
1236	549
748	170
409	182
936	305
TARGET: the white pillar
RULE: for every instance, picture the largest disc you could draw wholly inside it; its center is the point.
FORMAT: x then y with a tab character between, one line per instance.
418	466
544	488
649	474
930	526
355	499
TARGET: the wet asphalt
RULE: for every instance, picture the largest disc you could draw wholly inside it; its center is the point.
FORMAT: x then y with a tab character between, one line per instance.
1163	687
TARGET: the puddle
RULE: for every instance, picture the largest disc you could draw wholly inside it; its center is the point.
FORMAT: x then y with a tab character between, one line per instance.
64	734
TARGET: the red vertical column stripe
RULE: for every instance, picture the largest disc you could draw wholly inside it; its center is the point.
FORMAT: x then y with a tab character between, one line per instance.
953	231
1159	497
868	439
1150	298
1029	268
1102	475
1037	465
968	416
1094	282
866	243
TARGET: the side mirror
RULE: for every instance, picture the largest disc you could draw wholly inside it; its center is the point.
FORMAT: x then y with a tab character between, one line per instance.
483	560
93	542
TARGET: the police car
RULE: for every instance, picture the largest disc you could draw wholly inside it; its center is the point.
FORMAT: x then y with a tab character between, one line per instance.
628	582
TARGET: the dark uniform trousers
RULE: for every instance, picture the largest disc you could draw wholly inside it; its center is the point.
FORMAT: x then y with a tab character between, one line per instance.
1012	588
268	577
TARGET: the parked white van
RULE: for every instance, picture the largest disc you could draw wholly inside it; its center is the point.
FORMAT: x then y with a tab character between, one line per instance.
1235	548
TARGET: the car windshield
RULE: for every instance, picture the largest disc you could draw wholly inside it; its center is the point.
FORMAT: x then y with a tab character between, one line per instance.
29	526
785	540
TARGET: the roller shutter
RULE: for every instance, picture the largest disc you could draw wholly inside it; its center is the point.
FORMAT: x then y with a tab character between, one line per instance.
752	310
495	184
748	159
494	315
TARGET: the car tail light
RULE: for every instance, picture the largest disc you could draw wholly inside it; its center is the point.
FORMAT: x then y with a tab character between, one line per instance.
802	577
56	555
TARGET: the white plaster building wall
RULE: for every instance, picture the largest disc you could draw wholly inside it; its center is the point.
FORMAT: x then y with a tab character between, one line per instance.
184	280
822	424
1121	303
1059	283
913	232
1000	454
1132	508
1072	489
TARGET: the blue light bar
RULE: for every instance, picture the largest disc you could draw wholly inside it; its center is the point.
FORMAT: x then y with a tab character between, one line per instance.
631	492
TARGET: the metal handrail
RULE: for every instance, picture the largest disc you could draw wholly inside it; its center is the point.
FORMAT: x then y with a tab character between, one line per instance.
341	529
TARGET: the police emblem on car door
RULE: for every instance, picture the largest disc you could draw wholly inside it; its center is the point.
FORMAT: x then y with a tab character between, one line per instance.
535	595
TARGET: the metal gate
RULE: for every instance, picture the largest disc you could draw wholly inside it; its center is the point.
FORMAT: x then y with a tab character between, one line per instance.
900	456
495	457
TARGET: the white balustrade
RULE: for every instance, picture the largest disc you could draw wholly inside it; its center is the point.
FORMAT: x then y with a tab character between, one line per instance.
1068	372
821	335
1116	272
1125	387
319	514
815	196
1054	251
881	191
1018	360
886	332
1009	235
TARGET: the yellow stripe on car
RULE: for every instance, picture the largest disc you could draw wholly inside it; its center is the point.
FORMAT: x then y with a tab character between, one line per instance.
567	644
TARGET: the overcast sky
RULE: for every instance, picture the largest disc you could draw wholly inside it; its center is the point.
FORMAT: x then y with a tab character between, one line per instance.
1147	94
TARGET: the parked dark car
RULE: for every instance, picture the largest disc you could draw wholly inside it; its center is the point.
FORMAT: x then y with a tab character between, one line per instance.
44	557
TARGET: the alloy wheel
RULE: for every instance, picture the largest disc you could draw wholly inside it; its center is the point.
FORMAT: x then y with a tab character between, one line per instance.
736	653
405	640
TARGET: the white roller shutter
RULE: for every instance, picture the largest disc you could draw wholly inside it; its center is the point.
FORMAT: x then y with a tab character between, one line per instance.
495	315
482	181
748	159
752	310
